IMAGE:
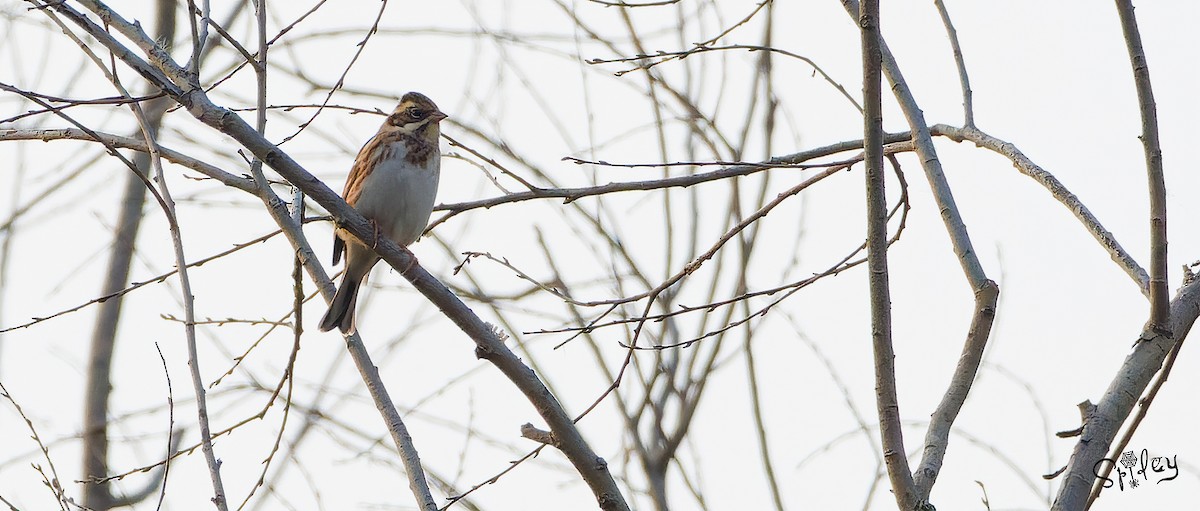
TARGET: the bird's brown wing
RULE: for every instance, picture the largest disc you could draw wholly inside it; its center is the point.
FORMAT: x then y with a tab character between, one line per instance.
354	181
364	163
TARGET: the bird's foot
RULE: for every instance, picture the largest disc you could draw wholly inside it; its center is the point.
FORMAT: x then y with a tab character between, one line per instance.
412	263
377	231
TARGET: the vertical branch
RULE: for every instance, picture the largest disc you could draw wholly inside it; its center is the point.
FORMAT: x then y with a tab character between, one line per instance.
964	82
659	123
1166	326
760	428
199	36
189	314
8	228
891	434
98	382
747	244
358	352
172	439
1159	304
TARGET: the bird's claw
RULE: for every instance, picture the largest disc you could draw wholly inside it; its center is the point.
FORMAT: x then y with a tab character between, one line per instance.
412	263
377	232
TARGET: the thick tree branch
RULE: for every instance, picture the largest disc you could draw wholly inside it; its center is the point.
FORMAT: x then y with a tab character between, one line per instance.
1103	421
1143	409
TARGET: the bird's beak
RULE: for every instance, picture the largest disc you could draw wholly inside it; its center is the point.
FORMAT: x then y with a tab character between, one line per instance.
438	115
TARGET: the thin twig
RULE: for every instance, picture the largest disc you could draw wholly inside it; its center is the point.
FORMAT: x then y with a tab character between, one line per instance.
362	45
644	62
963	81
570	195
137	285
52	482
189	311
171	442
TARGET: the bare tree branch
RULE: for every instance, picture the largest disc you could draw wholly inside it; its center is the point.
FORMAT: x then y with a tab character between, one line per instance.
1057	190
937	436
963	80
1103	421
890	430
123	142
1159	301
930	162
1143	408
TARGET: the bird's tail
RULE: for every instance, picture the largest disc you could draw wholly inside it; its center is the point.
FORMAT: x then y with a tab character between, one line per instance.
341	309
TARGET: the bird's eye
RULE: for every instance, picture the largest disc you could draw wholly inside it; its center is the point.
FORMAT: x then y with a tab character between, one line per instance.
415	113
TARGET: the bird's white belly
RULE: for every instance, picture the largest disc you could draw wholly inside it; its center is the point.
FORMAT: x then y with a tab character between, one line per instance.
408	192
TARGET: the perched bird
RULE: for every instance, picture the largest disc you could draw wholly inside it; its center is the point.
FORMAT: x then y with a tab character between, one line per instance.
393	184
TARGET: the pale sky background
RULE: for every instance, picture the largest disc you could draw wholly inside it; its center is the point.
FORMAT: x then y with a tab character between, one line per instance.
1051	77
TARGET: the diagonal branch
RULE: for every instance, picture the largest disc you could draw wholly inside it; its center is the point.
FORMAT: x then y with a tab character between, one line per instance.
937	436
1143	408
1058	190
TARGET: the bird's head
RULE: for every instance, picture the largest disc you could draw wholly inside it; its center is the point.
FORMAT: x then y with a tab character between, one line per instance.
416	115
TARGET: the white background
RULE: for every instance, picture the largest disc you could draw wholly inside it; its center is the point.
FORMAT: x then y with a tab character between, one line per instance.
1051	77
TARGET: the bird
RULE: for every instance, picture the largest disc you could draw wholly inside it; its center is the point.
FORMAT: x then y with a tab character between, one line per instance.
392	183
